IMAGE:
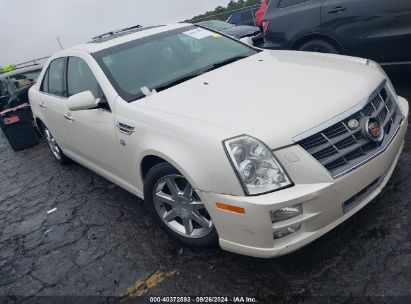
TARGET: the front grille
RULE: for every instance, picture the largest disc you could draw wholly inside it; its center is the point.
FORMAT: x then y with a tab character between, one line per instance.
340	149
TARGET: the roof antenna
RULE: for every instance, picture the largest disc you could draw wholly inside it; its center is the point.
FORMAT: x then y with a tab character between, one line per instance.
60	44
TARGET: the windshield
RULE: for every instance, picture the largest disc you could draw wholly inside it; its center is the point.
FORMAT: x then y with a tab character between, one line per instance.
216	25
24	79
160	61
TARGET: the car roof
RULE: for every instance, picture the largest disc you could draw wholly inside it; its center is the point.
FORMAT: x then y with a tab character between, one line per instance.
105	41
21	70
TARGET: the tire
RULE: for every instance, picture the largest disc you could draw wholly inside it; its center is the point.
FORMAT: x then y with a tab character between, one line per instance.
55	150
171	199
319	46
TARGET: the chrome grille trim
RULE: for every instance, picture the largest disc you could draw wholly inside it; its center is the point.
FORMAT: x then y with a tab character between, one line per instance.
339	149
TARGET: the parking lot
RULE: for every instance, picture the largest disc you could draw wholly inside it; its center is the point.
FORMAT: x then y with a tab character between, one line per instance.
100	241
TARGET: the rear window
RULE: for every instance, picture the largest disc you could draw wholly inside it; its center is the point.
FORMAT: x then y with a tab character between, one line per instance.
24	79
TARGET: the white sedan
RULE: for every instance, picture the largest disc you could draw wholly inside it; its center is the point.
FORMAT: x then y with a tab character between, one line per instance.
261	151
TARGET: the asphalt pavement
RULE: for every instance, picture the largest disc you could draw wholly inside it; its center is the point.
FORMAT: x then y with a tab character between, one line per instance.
100	242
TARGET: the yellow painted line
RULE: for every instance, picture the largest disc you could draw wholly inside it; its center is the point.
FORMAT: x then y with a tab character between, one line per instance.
140	288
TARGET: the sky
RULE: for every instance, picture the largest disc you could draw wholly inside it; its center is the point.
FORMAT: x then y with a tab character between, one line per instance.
30	27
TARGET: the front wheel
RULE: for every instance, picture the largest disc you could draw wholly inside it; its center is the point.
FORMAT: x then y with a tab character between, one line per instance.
54	148
177	207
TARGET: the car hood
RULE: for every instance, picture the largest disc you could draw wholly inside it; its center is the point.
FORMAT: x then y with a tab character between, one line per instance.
242	31
273	96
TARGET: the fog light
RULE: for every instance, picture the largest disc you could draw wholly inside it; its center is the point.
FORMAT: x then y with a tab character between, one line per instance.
286	231
286	213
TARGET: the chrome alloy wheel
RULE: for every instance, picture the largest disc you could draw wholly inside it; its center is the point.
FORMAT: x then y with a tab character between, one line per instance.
52	144
180	208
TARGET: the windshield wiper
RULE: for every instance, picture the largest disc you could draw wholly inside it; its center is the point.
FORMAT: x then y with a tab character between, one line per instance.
198	73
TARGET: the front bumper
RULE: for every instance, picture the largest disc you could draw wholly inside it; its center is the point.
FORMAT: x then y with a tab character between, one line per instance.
323	200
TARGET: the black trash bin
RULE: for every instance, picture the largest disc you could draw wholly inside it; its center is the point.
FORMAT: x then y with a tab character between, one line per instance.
17	125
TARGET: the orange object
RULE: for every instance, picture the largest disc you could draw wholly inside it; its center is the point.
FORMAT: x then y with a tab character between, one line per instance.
230	208
260	13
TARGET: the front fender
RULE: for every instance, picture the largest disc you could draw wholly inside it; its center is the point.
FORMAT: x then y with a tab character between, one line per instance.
192	147
206	168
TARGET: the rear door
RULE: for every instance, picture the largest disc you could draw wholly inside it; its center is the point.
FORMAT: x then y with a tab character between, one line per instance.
363	27
54	103
289	20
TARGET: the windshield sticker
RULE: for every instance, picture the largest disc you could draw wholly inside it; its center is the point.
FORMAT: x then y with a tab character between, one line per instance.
216	35
198	33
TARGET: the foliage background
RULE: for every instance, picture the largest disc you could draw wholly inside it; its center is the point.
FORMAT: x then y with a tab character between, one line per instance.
222	13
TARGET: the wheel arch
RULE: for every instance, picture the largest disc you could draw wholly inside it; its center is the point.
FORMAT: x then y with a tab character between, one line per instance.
39	124
299	41
213	174
152	158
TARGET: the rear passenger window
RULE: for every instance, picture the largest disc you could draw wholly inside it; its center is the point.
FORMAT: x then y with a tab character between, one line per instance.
45	84
56	77
80	78
286	3
247	15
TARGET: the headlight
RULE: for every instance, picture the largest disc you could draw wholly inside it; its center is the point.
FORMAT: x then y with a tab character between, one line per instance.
389	83
256	165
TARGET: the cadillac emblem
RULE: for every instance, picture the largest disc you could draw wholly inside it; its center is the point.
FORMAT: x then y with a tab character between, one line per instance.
353	124
373	129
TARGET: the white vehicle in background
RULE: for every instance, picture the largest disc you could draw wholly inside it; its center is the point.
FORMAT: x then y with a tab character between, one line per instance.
264	165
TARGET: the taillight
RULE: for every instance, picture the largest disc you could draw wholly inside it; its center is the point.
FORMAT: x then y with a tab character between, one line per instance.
265	25
11	120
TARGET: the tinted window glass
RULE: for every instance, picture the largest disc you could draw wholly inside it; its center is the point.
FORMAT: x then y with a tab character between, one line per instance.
286	3
25	79
45	83
80	78
235	19
3	89
247	15
56	71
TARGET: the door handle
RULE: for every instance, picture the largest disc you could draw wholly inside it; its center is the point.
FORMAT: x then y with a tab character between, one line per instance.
68	117
336	10
42	105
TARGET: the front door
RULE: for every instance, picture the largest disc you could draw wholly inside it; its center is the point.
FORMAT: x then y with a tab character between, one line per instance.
93	130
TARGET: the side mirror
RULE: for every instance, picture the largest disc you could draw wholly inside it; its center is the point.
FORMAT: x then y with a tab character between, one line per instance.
82	101
247	40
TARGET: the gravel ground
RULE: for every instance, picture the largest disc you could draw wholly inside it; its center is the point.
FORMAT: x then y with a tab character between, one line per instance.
101	242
